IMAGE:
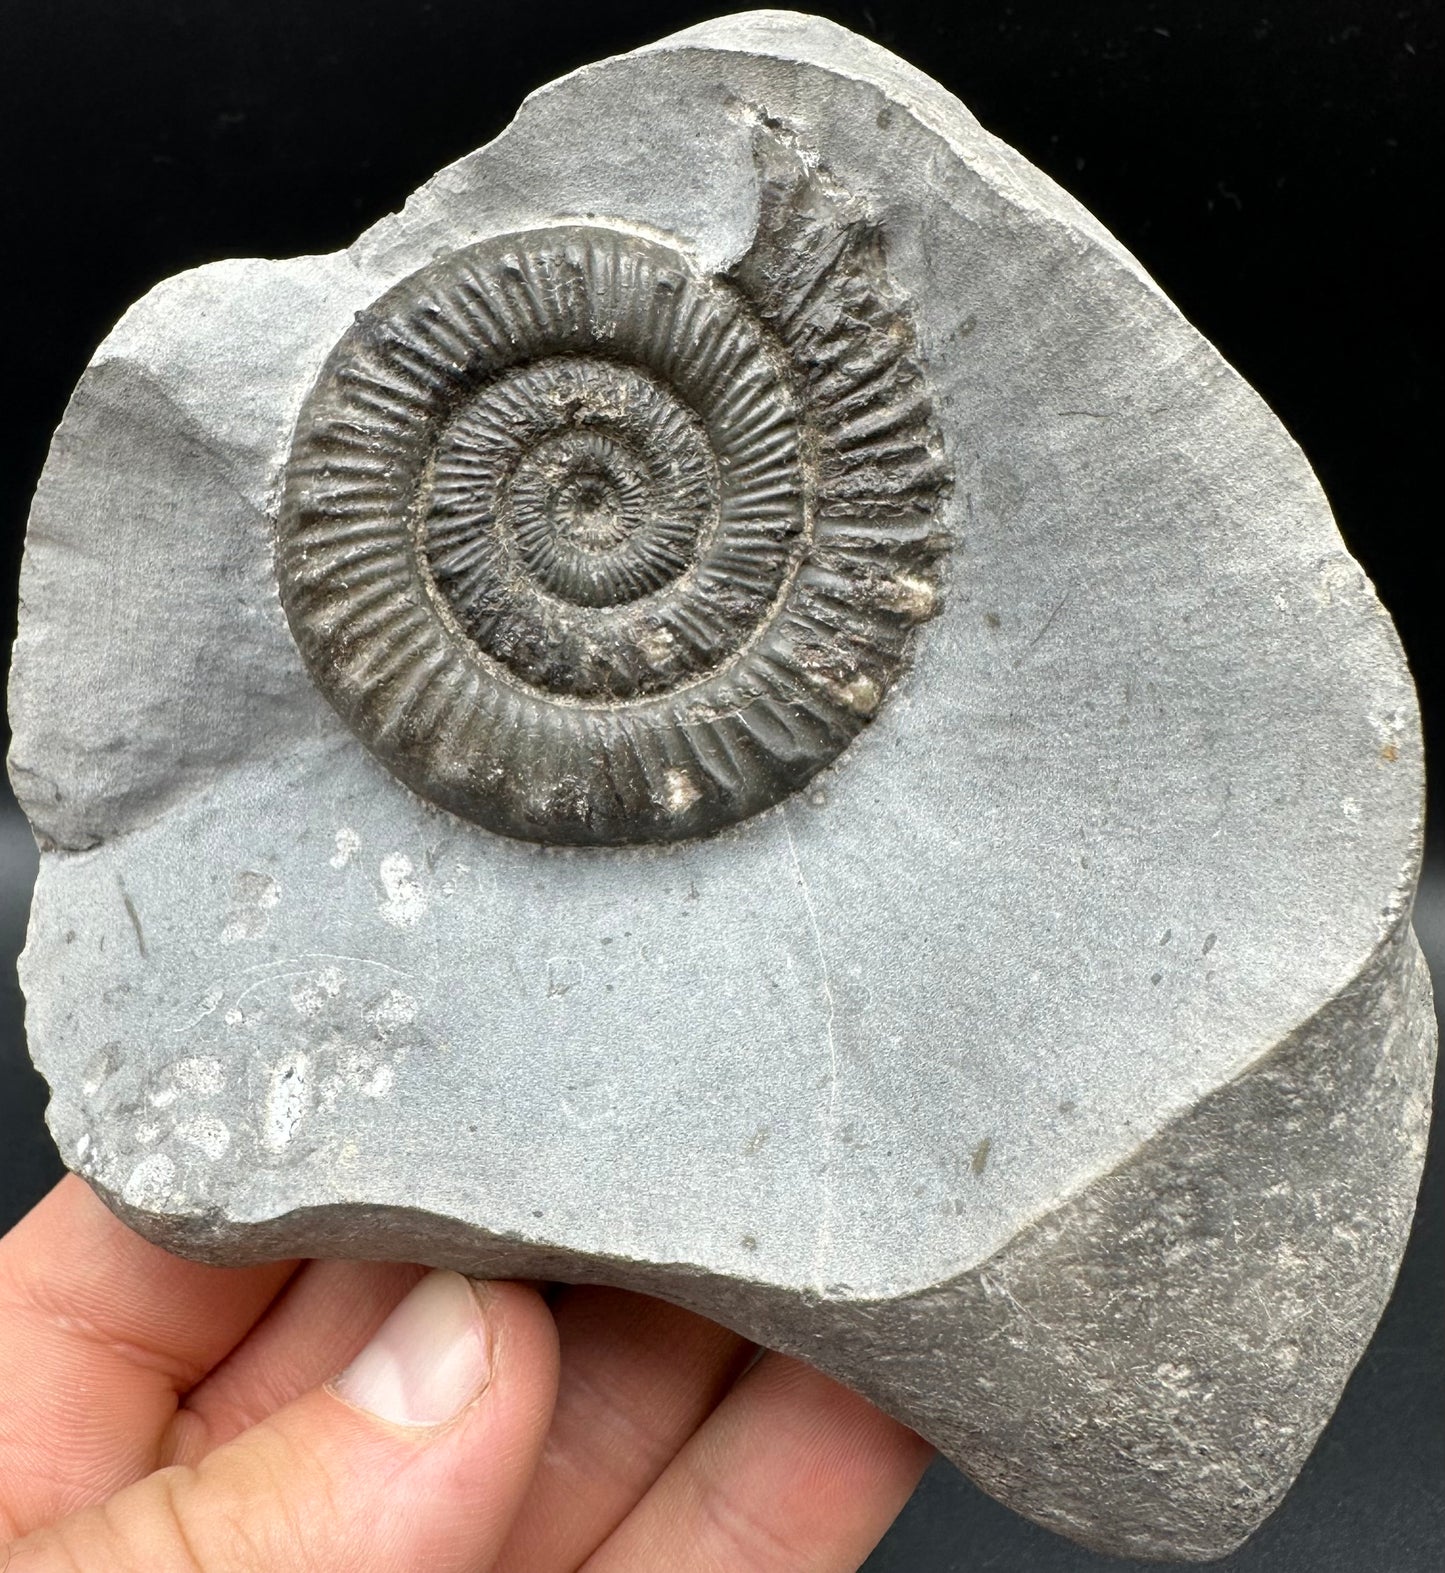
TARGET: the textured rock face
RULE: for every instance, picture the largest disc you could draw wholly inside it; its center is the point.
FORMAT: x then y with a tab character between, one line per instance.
733	704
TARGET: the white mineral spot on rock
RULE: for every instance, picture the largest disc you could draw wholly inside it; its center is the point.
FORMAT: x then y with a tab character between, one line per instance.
912	597
256	897
306	999
201	1075
207	1133
311	993
396	1008
99	1069
268	892
680	790
406	902
150	1181
287	1102
380	1082
859	693
656	643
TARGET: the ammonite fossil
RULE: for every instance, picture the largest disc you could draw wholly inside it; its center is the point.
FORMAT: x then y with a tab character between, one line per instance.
591	547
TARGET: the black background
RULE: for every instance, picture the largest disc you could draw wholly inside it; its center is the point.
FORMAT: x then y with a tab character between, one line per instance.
1274	166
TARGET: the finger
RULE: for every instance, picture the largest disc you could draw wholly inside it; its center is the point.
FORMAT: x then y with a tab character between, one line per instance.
99	1333
638	1377
415	1458
318	1322
791	1474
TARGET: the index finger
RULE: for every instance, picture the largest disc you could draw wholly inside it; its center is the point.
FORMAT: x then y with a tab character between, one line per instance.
100	1334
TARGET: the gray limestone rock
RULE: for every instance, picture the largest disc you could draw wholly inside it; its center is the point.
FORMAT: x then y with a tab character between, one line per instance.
732	703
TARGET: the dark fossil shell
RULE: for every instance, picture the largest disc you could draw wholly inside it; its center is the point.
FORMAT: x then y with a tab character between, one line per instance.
591	547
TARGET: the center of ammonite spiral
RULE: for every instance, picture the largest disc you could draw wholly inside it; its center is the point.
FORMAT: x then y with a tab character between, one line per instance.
596	517
587	509
569	495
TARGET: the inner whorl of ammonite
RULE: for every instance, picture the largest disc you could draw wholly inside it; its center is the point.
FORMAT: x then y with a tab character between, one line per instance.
590	546
568	500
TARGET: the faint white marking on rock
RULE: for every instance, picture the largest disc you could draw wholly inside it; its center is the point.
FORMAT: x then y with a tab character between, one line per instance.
394	1009
311	993
1336	574
209	1003
101	1068
590	1104
307	1000
348	844
563	973
150	1181
256	895
207	1133
202	1076
406	902
363	1072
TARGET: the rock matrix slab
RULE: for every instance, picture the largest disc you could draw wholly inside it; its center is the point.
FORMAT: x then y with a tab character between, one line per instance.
732	703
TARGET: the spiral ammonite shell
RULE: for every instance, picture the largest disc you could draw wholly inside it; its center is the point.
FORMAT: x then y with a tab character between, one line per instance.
591	547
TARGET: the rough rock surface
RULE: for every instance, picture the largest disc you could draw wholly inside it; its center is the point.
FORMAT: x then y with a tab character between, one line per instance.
1041	1046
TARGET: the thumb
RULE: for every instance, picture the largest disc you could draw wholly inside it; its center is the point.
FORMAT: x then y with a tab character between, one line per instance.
417	1456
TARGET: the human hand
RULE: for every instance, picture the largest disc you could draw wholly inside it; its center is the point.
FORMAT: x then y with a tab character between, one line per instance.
162	1416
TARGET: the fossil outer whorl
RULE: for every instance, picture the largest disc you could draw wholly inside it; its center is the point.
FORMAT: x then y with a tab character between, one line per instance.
590	547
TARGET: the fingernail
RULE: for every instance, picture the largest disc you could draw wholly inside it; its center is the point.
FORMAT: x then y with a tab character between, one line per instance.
428	1360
